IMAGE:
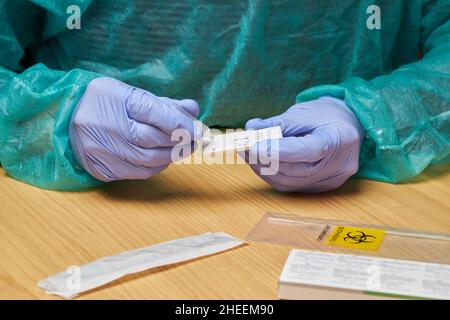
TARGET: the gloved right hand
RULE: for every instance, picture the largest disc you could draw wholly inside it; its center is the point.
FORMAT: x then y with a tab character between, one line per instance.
121	132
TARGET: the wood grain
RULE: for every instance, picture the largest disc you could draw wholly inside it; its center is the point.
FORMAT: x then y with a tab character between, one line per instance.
43	232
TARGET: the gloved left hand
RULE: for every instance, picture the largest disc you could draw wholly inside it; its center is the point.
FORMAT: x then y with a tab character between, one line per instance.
319	150
120	132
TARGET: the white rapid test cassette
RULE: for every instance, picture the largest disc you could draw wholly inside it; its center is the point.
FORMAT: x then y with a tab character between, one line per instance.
238	140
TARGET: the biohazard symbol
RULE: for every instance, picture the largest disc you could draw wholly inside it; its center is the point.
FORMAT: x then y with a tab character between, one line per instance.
358	237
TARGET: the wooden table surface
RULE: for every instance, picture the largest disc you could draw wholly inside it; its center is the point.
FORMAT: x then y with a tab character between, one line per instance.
43	232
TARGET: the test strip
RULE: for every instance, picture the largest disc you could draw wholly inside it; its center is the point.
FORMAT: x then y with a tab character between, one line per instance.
105	270
240	140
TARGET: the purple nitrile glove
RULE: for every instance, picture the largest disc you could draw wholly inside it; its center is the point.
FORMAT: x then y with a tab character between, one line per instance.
319	150
121	132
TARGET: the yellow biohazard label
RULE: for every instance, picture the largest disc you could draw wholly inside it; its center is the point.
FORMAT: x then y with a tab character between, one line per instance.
356	238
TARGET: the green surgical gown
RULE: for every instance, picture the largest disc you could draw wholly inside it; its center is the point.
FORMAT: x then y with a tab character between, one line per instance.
239	60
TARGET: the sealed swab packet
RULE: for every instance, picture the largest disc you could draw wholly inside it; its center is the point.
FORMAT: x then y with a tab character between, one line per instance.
239	140
102	271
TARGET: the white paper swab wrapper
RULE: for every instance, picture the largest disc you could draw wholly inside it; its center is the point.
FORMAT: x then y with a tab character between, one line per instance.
105	270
